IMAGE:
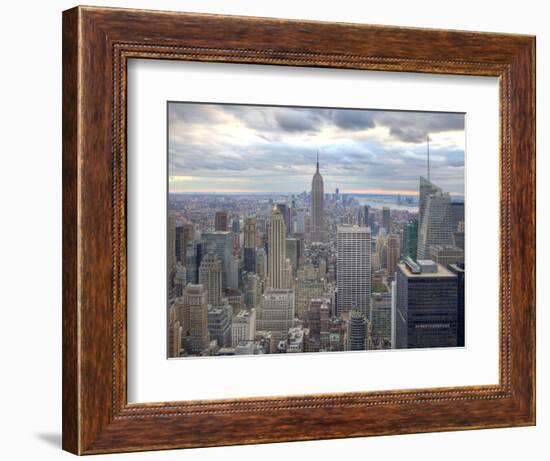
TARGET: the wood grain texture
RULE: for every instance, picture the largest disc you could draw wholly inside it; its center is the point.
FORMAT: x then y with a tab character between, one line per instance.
97	43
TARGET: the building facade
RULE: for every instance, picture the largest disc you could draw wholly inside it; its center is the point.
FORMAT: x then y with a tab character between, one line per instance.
446	254
243	326
436	226
426	305
317	206
393	253
220	243
210	277
195	305
221	221
354	269
276	312
277	251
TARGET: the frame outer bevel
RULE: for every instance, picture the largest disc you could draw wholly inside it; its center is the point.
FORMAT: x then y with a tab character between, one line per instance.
70	350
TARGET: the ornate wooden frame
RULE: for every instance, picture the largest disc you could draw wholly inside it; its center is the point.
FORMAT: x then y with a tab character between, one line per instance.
97	43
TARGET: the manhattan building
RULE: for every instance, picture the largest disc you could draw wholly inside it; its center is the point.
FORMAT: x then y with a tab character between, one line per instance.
435	218
249	252
210	277
357	331
220	243
317	206
354	269
277	261
426	305
276	313
195	325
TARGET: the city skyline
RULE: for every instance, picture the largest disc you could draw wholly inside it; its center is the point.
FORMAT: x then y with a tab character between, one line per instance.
316	270
225	148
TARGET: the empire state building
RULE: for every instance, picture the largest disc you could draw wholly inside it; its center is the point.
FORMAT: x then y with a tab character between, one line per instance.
317	206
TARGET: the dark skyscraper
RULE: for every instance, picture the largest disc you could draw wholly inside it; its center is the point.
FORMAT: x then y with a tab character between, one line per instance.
410	239
366	214
219	243
249	252
220	221
180	250
249	259
458	269
386	219
426	305
191	265
285	212
457	214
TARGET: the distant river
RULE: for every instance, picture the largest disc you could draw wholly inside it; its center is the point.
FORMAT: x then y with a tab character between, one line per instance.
390	202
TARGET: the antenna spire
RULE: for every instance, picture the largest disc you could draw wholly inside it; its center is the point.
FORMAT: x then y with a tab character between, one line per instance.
428	148
317	160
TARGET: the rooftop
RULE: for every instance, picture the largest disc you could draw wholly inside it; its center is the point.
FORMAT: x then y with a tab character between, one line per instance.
352	228
439	271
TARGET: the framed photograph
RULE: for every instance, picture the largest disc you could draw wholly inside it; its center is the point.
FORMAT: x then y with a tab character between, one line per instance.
281	230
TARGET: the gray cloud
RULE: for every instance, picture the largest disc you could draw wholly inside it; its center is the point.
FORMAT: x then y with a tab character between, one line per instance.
413	127
353	119
295	120
277	149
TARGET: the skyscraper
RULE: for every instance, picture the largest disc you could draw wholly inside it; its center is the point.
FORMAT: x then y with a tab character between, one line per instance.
308	286
210	277
193	260
410	239
317	206
234	274
386	219
446	254
220	221
180	279
366	215
357	331
261	264
426	188
184	234
457	214
243	326
179	243
381	320
219	324
300	222
436	227
276	312
393	252
171	236
426	305
382	250
354	269
276	254
196	337
293	252
458	236
252	287
285	212
249	252
458	269
220	244
250	232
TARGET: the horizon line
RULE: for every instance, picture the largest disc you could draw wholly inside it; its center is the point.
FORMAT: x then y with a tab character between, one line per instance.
355	192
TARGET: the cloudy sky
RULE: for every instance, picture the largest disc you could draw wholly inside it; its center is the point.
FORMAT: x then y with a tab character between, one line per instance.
238	148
